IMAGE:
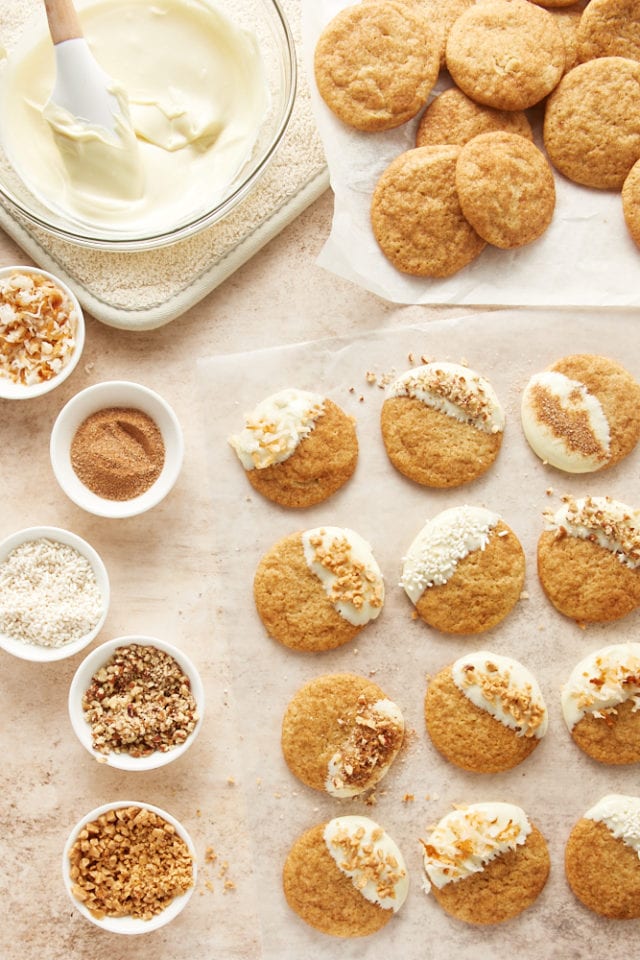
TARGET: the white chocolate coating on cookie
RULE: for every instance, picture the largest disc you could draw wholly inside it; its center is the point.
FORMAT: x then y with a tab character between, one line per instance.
347	569
276	426
602	681
448	538
467	839
455	390
564	423
366	749
505	689
621	815
609	523
365	852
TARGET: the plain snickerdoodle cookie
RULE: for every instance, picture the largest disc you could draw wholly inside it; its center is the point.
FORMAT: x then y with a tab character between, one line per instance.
340	734
454	118
601	858
591	127
508	54
600	704
346	877
416	216
316	590
485	713
589	559
485	863
464	572
610	28
631	202
376	63
506	188
442	424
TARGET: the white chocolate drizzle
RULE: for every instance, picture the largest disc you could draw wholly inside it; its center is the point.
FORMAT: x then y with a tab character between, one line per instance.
601	682
366	853
505	689
273	430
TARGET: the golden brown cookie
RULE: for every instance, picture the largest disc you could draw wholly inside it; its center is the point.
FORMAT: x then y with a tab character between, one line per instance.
582	414
486	863
340	734
600	704
464	572
346	877
453	118
376	63
601	858
416	215
297	448
442	424
567	19
592	122
316	589
507	54
485	712
610	28
631	202
442	14
506	188
588	559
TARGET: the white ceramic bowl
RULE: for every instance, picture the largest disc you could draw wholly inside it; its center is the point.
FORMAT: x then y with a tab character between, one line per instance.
115	393
82	681
18	391
31	651
128	925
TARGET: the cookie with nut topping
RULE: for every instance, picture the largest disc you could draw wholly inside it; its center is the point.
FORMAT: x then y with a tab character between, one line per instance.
317	589
340	734
485	712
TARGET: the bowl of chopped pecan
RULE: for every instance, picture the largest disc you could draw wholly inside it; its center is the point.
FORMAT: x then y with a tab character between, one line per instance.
136	703
129	867
41	332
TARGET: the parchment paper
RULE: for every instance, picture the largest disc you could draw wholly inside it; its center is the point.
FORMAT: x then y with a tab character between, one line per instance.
585	257
558	783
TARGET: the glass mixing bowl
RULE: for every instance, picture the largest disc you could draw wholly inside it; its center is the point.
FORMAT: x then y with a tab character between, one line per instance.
266	20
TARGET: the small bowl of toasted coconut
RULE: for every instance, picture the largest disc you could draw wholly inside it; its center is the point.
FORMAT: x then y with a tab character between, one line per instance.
41	332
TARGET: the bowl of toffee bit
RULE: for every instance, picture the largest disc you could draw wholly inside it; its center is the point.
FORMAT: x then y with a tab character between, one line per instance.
136	703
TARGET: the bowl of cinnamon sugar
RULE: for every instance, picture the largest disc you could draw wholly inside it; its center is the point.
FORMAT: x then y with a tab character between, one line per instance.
116	449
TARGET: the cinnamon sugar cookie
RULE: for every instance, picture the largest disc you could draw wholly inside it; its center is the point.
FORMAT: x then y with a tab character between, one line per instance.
317	589
602	858
592	122
610	28
506	189
582	414
416	215
589	559
297	448
485	863
454	118
340	734
376	63
485	712
600	704
508	54
346	877
442	424
567	20
631	202
464	571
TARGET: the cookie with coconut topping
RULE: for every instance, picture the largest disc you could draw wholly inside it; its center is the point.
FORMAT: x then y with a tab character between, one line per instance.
582	414
602	857
316	589
464	571
485	712
297	447
340	734
485	863
589	559
601	704
442	424
346	877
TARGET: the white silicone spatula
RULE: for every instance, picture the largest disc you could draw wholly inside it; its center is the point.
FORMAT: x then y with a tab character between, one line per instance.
81	86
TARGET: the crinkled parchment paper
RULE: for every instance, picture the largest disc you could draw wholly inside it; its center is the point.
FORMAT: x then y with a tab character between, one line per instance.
558	783
586	257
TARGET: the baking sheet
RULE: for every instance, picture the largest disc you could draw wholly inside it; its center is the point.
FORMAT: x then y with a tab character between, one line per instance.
558	783
586	257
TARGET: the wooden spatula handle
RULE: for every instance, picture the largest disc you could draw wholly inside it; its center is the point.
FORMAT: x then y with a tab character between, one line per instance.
63	20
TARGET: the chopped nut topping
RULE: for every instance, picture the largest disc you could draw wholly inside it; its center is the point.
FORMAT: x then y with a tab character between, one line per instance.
601	519
517	703
370	864
354	582
374	740
465	391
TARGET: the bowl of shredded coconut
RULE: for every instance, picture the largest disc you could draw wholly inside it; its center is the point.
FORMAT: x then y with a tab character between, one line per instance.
54	594
41	332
